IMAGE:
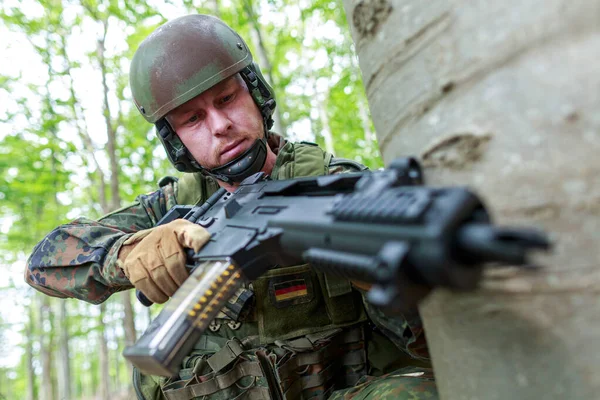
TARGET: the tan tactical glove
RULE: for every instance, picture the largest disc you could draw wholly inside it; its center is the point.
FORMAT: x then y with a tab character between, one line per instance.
154	259
361	285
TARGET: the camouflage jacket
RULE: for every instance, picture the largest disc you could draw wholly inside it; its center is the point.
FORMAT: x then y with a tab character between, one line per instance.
78	259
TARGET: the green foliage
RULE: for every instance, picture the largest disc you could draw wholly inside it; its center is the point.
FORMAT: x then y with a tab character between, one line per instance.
53	147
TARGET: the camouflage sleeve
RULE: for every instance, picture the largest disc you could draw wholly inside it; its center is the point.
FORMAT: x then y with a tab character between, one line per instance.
78	259
405	331
344	165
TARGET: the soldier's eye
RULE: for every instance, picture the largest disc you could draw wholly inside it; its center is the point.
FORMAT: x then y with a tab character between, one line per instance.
226	99
193	119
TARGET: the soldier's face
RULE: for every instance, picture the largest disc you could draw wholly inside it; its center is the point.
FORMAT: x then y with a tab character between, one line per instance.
219	124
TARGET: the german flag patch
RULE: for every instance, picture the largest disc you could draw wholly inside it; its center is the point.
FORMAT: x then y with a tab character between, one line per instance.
290	289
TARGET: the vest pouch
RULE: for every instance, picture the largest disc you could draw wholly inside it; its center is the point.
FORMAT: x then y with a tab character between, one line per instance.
243	376
310	366
315	365
289	303
147	387
344	305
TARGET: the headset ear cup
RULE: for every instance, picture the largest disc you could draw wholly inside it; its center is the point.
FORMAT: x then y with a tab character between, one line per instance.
262	93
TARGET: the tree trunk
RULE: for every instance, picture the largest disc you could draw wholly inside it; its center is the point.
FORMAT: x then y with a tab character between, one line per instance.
129	328
503	97
103	355
365	122
325	129
110	131
129	321
82	130
216	7
263	60
45	338
64	364
29	331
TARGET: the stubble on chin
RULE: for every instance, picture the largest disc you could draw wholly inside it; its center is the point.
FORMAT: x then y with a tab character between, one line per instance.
217	152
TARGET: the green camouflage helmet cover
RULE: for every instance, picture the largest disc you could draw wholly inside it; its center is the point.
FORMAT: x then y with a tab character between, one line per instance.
180	60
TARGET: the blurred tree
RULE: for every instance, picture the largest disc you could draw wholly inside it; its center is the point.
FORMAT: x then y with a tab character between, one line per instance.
501	97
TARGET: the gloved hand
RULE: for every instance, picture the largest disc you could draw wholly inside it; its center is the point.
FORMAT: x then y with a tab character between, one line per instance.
361	285
154	259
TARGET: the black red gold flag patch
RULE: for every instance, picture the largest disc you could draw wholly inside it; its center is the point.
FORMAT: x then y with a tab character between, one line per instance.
290	289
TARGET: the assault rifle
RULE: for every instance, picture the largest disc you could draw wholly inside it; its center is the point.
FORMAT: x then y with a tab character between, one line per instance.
382	228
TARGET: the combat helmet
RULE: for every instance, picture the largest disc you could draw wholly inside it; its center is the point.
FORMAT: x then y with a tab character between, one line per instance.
180	60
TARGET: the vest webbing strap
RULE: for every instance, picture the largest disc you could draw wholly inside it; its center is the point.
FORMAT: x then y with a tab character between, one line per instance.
215	343
219	382
226	355
355	357
318	379
294	391
326	353
257	393
254	393
307	342
296	388
286	370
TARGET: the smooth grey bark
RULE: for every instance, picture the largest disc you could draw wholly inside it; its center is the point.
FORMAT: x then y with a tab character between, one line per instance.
365	122
503	97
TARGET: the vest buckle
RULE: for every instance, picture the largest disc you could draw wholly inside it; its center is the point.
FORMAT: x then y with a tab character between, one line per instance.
226	355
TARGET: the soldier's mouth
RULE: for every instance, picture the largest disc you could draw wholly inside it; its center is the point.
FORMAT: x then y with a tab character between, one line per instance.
232	150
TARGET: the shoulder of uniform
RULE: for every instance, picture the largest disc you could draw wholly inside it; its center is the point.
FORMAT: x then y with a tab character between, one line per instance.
346	165
194	188
309	143
166	180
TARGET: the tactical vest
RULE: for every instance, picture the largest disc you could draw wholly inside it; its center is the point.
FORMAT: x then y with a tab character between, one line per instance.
292	334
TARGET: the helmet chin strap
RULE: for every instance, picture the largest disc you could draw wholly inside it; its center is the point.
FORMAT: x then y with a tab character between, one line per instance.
248	163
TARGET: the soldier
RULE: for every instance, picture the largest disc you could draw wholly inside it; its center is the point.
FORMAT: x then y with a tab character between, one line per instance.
195	80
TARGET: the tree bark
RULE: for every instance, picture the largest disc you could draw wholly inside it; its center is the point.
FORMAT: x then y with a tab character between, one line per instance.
128	324
29	331
64	363
365	123
264	61
103	354
503	97
80	124
110	131
325	129
45	339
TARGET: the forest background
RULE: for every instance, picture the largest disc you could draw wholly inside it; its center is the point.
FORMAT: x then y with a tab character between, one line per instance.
72	144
